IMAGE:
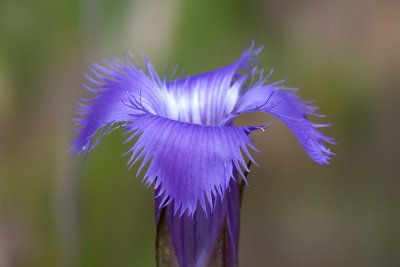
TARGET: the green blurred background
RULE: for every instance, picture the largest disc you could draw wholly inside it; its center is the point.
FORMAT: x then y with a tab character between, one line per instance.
58	211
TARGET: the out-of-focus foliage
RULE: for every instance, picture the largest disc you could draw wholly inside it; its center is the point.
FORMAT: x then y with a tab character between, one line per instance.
58	211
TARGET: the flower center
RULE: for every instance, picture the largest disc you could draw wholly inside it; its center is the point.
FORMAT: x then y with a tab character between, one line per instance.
204	106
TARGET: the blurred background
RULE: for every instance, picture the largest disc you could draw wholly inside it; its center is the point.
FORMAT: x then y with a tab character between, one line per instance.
58	211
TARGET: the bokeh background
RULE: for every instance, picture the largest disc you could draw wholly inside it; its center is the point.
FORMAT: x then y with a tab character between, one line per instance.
58	211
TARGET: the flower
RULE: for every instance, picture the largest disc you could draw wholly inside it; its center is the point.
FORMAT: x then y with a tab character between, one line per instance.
184	129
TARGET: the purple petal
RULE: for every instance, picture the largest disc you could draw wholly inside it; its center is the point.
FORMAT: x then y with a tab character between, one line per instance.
190	163
284	104
207	98
113	85
202	99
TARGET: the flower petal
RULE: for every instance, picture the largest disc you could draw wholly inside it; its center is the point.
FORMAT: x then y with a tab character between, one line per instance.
113	84
190	163
208	97
283	103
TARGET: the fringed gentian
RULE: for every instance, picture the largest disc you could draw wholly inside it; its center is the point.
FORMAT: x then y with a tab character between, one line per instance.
186	146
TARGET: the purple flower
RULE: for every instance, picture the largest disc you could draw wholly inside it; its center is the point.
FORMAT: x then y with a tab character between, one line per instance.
186	143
